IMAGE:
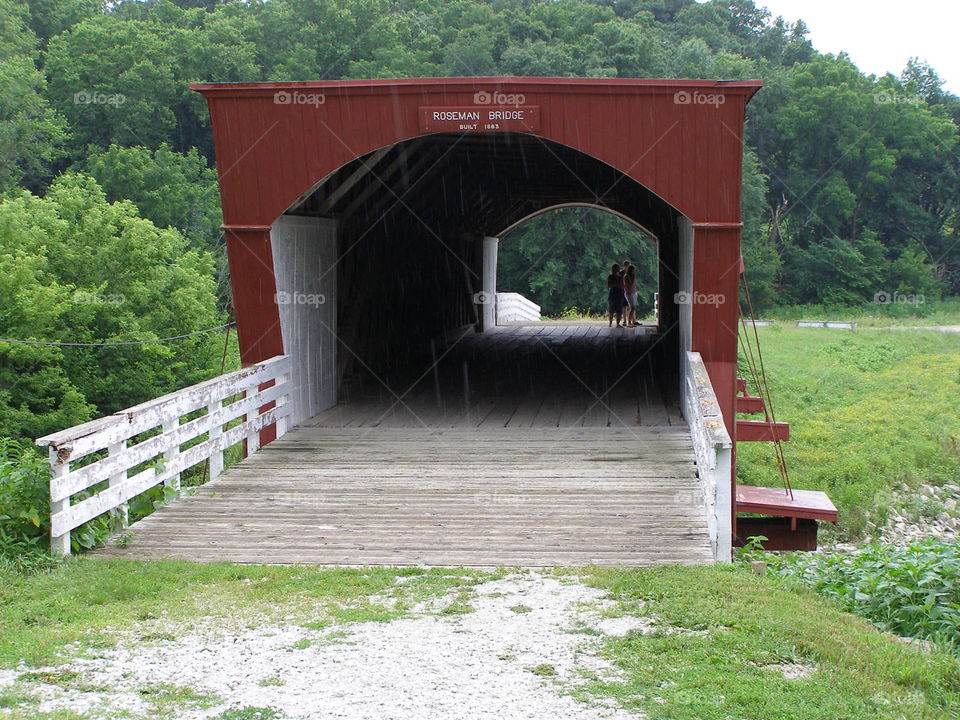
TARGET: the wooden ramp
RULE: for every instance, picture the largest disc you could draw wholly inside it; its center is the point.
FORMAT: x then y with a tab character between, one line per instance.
401	496
534	446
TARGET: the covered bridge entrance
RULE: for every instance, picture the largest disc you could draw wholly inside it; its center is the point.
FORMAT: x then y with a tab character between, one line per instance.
362	221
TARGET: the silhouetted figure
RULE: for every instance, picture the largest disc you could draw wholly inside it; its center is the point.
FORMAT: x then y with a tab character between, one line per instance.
630	293
615	295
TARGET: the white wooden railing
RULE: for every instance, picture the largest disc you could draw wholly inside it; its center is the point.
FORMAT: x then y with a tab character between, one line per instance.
713	449
246	392
514	307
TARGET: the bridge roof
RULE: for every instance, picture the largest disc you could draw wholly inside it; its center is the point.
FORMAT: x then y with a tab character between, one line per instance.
581	84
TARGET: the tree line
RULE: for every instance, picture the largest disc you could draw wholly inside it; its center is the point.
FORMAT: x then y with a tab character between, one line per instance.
109	208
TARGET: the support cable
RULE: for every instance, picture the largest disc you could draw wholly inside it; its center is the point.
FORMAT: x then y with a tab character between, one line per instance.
759	377
16	341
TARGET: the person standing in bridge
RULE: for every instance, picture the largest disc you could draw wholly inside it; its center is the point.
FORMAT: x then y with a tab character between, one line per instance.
615	297
623	271
630	293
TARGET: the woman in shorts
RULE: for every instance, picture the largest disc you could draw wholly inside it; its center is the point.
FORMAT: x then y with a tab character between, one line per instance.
630	291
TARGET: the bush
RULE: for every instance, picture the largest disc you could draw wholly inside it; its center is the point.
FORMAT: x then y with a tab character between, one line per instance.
913	591
24	498
25	506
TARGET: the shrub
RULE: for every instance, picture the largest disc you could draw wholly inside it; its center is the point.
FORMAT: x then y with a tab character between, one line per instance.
913	590
24	498
25	505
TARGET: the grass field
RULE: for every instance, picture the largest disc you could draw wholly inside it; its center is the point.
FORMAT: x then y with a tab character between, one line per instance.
722	643
868	410
892	314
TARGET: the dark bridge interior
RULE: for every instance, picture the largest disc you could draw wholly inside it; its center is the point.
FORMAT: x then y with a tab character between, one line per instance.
410	221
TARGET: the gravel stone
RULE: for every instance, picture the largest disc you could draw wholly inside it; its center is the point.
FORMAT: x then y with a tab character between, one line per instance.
473	666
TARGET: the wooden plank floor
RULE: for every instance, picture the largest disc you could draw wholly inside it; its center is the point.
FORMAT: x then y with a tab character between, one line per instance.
535	467
397	496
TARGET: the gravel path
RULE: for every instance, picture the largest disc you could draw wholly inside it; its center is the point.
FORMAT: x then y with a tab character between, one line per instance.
510	658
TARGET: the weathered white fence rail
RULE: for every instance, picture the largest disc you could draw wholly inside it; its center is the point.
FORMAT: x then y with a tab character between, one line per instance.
160	459
713	449
514	307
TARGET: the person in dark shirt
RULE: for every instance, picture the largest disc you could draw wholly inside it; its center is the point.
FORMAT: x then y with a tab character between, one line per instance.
615	298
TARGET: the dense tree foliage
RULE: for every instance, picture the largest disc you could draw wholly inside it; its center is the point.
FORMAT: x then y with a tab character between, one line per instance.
546	256
851	182
77	268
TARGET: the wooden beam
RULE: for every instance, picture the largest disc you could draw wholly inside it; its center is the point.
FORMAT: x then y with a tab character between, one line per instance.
366	167
749	404
756	430
384	180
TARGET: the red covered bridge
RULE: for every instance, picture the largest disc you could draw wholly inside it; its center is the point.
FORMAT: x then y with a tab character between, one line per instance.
362	221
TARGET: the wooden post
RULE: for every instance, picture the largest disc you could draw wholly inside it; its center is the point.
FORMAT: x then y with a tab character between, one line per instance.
281	423
59	544
216	430
253	439
117	479
489	282
171	454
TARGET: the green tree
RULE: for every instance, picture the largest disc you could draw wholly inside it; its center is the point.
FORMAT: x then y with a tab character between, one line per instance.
30	131
126	80
170	189
49	18
562	258
77	268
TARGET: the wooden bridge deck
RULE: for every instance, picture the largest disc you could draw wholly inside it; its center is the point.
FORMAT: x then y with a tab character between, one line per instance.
538	479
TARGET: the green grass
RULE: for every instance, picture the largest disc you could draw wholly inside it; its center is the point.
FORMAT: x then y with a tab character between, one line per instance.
12	696
544	670
166	700
84	601
870	314
868	410
249	713
460	605
725	632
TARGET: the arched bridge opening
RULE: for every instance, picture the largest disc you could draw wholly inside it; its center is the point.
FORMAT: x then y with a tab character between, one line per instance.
404	241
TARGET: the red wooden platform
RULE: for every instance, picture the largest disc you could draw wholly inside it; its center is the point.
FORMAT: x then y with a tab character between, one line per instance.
809	504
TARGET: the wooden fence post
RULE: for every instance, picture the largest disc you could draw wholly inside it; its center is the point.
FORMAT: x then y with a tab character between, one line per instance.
170	455
216	458
59	544
117	479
